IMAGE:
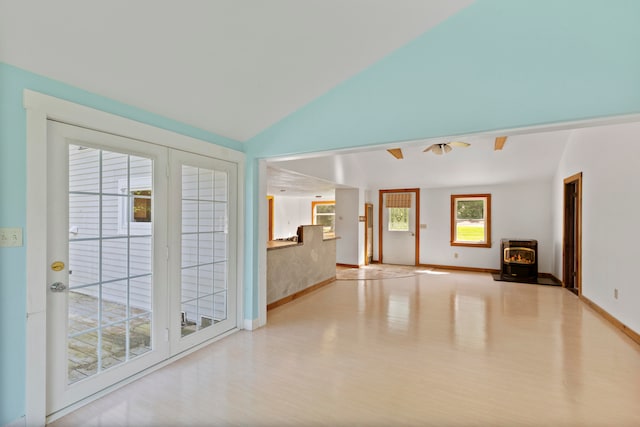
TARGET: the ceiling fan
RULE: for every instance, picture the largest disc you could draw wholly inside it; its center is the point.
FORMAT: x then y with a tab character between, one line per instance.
444	148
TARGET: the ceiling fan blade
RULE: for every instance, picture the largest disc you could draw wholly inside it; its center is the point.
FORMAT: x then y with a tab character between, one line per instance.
499	143
396	152
429	148
437	148
458	144
447	148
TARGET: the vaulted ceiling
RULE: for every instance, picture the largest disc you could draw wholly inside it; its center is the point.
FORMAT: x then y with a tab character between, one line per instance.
230	67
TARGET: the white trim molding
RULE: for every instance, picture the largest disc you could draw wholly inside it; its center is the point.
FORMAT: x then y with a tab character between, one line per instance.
253	324
39	109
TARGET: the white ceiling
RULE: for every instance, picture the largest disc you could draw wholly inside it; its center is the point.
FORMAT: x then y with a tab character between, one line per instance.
287	183
525	157
231	67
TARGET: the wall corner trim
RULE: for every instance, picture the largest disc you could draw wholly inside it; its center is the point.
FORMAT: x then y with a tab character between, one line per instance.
252	324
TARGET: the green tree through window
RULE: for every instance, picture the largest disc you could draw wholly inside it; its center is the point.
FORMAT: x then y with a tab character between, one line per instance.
471	220
470	209
398	219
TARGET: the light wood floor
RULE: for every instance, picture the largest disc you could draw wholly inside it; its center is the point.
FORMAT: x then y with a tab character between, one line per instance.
432	349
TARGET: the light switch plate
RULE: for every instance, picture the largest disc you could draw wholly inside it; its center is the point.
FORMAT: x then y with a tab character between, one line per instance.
10	237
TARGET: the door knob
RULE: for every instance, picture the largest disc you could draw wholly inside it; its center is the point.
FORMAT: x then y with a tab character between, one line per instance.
57	287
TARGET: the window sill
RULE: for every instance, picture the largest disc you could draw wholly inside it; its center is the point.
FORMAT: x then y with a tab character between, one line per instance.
472	245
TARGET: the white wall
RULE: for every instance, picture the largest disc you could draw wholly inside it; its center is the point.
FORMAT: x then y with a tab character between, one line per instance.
361	230
608	158
289	213
350	245
518	210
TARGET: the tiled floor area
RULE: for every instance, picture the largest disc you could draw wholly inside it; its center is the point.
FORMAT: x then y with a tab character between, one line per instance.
432	349
84	320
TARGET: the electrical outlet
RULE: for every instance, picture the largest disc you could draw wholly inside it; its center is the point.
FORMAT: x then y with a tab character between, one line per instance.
10	237
615	293
455	255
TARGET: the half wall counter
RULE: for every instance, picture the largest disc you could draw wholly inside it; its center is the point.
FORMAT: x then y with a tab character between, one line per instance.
296	268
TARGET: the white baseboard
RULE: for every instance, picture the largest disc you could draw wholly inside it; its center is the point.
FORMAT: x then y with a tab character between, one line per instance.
252	324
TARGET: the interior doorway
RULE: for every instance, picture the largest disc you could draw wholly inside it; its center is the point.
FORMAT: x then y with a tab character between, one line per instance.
399	226
572	234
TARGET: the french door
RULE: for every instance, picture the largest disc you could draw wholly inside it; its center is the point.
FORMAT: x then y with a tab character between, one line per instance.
141	257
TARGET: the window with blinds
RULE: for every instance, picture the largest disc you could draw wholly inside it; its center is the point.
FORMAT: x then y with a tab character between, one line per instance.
398	205
398	200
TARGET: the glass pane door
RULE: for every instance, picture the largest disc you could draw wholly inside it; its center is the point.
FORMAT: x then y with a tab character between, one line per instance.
110	259
204	223
106	244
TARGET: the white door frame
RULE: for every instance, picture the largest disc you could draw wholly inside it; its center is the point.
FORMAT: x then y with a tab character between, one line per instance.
39	109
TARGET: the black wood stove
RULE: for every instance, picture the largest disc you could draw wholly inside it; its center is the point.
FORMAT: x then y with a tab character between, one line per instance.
519	260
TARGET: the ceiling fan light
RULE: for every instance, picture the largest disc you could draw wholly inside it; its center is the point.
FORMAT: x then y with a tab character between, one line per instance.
458	144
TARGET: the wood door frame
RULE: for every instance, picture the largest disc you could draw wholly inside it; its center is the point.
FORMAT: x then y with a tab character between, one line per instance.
417	220
367	222
573	179
271	218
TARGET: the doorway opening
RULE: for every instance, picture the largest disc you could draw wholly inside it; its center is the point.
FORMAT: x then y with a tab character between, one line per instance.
572	234
368	233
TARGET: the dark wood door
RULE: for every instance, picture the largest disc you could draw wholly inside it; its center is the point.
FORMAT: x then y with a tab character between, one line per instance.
572	234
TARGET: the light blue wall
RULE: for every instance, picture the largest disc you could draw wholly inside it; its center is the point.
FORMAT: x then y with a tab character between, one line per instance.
496	64
13	211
